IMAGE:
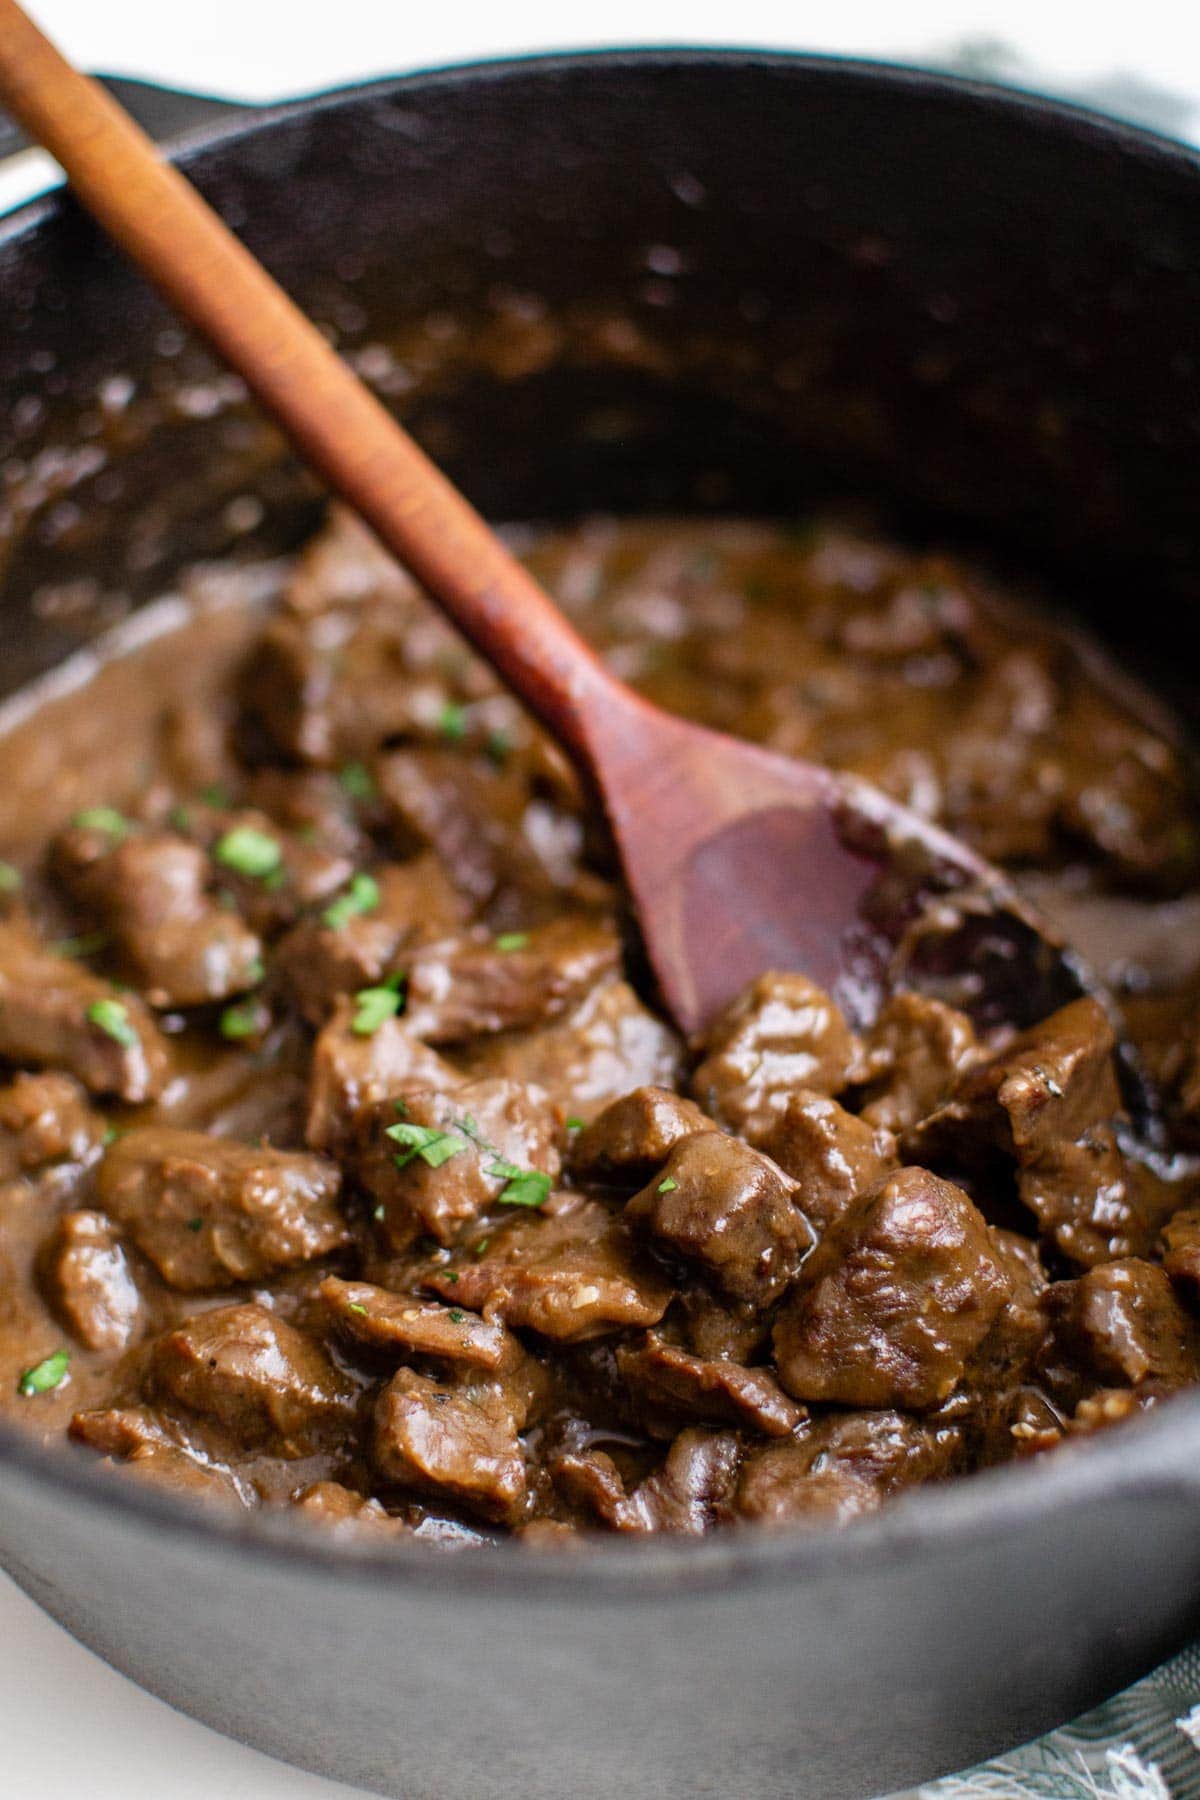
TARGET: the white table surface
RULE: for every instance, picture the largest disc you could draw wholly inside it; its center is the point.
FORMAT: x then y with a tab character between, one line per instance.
70	1727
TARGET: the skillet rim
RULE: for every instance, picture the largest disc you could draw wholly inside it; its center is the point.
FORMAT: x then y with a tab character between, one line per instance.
909	1529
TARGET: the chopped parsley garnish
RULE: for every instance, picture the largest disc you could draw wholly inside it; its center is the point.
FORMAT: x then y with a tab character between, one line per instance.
354	1307
362	896
103	818
112	1018
249	851
499	747
180	818
195	1224
667	1187
111	1134
44	1377
10	879
215	795
523	1187
452	721
481	1246
456	1317
450	1275
574	1124
356	780
512	940
376	1005
86	944
432	1146
242	1021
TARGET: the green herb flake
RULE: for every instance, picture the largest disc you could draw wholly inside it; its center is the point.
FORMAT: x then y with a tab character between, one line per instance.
375	1006
574	1124
499	747
45	1376
512	940
356	781
528	1187
195	1225
666	1187
10	879
248	851
456	1317
215	795
244	1021
112	1018
179	818
111	1134
362	896
481	1246
103	818
432	1146
452	721
354	1307
450	1275
86	944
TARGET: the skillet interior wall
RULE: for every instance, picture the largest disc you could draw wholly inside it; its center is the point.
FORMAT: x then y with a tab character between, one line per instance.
758	282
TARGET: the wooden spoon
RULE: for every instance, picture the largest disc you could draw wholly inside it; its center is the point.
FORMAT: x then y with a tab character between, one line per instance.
738	861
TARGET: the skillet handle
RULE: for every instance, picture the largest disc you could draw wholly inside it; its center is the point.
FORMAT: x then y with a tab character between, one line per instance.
162	112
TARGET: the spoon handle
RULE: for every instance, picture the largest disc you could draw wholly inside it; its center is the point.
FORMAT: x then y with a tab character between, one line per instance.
336	423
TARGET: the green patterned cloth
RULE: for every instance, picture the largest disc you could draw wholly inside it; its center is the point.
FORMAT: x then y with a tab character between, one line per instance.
1144	1745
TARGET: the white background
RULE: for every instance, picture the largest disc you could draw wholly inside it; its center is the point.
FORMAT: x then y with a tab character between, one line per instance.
70	1728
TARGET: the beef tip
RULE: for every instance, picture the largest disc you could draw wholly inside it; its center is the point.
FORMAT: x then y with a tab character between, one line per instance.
840	1467
687	1495
269	1385
55	1013
46	1119
329	689
353	1072
1046	1102
723	1329
914	1054
88	1283
729	1209
433	1161
1181	1259
1121	1325
665	1382
634	1135
208	1211
571	1275
340	1509
895	1300
783	1033
604	1047
1006	1355
407	1325
319	962
466	986
149	1445
830	1154
155	895
268	875
456	1442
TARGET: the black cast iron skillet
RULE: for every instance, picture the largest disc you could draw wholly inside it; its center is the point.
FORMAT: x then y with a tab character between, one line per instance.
770	279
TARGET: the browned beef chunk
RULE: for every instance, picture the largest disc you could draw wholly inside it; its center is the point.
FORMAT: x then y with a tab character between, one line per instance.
46	1119
155	895
687	1495
634	1135
151	1446
1181	1243
571	1275
1046	1102
724	1329
320	962
88	1282
895	1300
456	1442
340	1509
914	1054
1006	1355
728	1208
407	1325
783	1033
841	1466
352	1072
267	874
208	1211
830	1154
435	1161
329	689
464	987
1120	1325
605	1046
56	1014
269	1385
665	1383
